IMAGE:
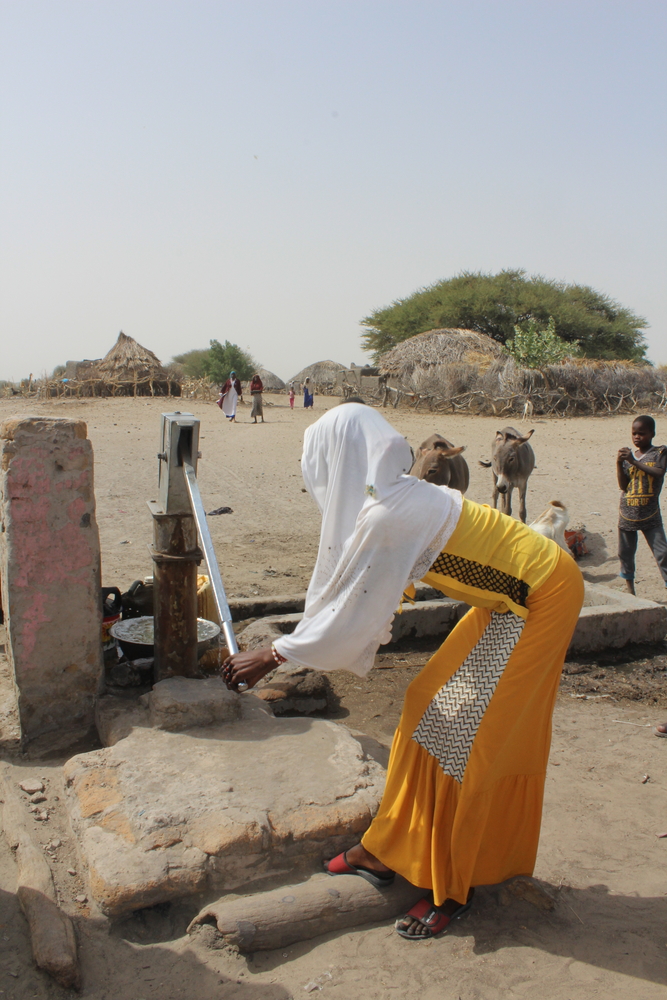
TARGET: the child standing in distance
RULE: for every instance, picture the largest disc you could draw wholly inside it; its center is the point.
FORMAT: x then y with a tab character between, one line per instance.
291	395
640	476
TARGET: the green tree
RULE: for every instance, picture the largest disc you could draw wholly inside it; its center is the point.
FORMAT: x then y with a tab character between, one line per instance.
534	348
223	358
496	303
192	363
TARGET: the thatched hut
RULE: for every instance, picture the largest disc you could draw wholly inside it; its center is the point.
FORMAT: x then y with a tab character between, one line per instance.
438	347
127	370
270	381
322	376
78	371
468	371
133	370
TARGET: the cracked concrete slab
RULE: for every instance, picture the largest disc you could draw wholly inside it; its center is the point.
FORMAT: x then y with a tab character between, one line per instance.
161	814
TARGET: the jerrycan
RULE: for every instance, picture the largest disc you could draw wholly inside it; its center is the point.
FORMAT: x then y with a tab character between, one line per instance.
111	611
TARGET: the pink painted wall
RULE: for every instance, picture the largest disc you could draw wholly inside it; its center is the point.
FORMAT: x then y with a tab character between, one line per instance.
50	572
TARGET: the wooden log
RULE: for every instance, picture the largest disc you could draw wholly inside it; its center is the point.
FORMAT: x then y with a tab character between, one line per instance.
51	931
268	920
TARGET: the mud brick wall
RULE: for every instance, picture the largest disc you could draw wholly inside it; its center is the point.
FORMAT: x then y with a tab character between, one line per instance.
50	573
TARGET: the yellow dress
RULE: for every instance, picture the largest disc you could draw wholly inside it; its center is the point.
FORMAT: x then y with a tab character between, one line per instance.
463	800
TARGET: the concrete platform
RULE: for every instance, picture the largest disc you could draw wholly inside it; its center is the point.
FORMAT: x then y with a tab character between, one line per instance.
243	608
427	617
610	619
201	790
167	814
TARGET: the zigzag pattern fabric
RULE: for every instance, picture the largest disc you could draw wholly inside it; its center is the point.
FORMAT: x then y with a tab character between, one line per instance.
449	725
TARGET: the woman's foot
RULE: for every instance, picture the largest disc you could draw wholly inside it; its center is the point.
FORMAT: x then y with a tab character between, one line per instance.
361	858
630	587
359	861
661	730
425	920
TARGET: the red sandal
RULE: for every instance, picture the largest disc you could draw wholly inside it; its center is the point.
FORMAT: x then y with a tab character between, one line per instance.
430	917
341	866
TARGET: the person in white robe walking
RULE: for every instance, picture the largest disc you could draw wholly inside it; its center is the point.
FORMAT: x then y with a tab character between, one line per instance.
230	394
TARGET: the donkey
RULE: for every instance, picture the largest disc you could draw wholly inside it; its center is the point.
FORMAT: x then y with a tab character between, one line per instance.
512	461
439	461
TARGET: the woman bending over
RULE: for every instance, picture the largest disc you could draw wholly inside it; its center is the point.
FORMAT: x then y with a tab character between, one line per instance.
463	799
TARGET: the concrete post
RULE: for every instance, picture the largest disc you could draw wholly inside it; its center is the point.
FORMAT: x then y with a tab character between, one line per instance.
50	574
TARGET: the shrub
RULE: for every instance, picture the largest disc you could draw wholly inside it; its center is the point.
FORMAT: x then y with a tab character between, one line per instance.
534	348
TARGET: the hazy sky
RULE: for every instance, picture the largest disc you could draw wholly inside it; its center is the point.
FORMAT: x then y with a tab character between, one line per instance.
270	173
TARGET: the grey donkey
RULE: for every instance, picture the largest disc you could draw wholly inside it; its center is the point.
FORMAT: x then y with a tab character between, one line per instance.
512	461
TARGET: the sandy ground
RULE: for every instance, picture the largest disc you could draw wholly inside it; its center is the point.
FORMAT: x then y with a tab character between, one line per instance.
599	855
268	544
600	851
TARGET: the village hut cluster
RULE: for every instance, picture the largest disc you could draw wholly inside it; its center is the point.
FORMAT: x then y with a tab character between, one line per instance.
447	370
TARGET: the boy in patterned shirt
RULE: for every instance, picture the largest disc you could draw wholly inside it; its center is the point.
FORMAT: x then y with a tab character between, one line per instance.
640	476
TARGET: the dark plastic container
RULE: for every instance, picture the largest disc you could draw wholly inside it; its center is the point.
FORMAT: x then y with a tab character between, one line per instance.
111	611
138	600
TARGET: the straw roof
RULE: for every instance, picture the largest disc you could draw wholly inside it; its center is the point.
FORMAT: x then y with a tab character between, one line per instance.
437	347
128	360
270	381
321	373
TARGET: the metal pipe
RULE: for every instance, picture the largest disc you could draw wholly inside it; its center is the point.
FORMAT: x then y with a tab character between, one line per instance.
175	557
224	614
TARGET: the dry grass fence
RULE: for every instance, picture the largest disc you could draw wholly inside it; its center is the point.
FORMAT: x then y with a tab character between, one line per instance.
462	370
475	381
199	388
57	388
108	385
500	387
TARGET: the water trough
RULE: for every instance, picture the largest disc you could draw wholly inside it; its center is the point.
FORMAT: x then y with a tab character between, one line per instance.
610	619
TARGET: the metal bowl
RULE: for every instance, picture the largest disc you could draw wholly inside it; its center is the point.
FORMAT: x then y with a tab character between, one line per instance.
135	635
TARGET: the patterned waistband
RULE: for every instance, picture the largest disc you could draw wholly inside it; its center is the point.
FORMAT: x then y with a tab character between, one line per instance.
474	574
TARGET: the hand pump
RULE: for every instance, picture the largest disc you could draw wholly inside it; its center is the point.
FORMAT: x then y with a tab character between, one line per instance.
179	520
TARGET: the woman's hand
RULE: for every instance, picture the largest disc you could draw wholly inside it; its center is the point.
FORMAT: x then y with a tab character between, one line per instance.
247	668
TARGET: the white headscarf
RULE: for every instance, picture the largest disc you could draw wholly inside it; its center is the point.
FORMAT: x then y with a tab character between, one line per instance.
381	530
